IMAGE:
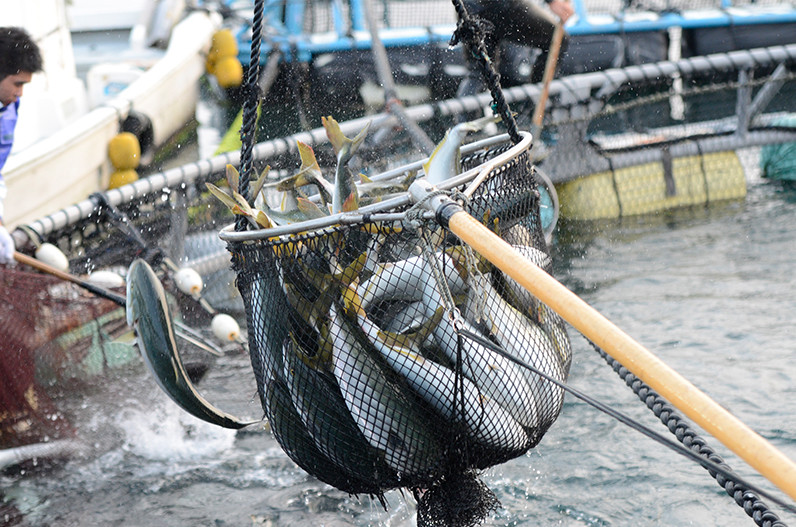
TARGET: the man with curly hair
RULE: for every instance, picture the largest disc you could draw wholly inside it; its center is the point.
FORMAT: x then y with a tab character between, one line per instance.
20	58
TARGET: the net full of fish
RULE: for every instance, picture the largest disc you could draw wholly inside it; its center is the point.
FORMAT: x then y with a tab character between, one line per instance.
354	327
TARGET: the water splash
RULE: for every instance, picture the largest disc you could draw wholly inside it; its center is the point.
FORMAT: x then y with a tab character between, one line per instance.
166	433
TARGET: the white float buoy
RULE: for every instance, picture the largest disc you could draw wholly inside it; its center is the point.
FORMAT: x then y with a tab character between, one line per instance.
188	281
225	328
107	279
52	256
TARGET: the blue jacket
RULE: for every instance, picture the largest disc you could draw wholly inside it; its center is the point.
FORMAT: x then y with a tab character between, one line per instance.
8	121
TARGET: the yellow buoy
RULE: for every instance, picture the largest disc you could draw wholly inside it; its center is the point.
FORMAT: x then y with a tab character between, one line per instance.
210	64
229	72
223	44
124	151
122	177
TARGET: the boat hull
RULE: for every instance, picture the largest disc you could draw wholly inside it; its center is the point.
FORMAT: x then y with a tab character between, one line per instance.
69	165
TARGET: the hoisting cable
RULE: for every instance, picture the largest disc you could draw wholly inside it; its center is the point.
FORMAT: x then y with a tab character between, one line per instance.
249	121
742	495
700	456
470	30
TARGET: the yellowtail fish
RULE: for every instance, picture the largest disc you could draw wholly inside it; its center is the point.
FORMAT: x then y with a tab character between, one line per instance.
148	314
498	378
522	299
323	411
309	174
387	417
292	436
404	280
370	191
404	317
239	206
445	160
484	421
345	197
525	340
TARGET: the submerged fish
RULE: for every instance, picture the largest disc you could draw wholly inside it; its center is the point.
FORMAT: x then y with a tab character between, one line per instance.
457	400
389	420
445	160
323	411
148	314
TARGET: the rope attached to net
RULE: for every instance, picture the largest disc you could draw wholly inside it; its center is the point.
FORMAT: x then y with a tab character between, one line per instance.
471	31
249	118
745	498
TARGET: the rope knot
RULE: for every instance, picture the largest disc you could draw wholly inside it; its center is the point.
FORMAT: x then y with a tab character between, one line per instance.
471	30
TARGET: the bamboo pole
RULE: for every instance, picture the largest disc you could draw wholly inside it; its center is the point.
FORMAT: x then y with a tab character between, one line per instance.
747	444
549	73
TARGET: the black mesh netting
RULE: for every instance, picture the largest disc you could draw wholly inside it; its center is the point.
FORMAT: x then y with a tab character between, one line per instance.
362	374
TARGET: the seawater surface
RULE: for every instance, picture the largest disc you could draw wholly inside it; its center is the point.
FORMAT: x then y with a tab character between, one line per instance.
711	291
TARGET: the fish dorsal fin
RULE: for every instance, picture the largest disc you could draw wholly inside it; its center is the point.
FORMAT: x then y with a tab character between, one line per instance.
334	133
427	164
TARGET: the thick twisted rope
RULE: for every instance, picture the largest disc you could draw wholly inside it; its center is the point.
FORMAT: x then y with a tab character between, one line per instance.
472	31
249	118
745	498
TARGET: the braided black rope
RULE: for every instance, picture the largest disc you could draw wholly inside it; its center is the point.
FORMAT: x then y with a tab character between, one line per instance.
471	31
249	118
678	426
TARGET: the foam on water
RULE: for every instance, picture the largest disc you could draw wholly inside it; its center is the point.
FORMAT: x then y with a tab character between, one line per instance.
166	432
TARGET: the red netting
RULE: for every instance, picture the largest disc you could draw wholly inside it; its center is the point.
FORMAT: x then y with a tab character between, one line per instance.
35	310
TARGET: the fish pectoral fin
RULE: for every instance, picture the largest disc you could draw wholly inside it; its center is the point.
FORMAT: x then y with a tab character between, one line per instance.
351	203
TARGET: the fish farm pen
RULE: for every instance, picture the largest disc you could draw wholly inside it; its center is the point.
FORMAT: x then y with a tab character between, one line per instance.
388	349
327	46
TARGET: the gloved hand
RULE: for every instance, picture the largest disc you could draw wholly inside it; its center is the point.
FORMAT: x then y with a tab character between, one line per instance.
6	246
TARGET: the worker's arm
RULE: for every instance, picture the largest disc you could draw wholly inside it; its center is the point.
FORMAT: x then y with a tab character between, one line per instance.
562	9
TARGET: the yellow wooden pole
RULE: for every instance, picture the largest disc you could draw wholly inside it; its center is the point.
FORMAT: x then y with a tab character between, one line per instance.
747	444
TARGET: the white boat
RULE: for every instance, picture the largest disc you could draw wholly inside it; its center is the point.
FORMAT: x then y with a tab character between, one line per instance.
73	109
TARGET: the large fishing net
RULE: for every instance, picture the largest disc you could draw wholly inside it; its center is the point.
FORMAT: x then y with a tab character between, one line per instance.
361	340
51	332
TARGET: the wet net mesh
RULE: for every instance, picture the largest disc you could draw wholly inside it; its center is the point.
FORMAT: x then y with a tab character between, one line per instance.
37	350
364	378
56	337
